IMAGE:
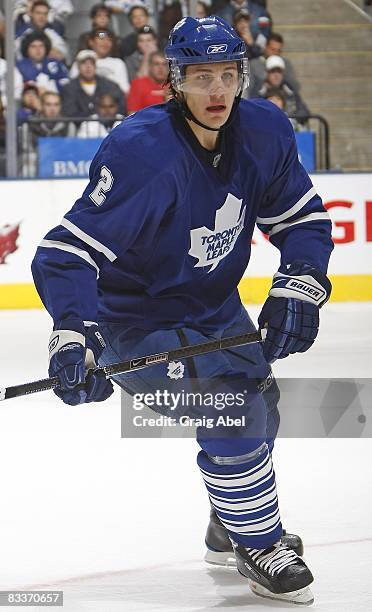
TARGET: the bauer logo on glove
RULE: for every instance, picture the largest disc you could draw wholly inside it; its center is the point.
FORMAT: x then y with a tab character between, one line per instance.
291	312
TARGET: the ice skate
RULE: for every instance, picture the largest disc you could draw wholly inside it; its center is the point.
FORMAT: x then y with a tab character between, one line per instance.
219	547
276	573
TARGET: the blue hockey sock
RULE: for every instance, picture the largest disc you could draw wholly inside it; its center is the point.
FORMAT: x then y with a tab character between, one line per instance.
243	493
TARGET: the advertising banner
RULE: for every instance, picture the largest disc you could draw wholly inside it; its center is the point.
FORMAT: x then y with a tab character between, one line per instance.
31	207
62	157
306	149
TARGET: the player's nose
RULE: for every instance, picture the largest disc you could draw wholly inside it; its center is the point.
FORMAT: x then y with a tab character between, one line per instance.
217	88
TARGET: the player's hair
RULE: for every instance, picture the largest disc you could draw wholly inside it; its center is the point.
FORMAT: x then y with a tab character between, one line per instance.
275	36
99	7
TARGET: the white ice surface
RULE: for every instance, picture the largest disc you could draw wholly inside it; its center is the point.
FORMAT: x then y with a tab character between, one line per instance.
119	524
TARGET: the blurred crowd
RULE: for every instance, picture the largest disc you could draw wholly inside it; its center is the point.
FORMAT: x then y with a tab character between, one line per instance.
97	63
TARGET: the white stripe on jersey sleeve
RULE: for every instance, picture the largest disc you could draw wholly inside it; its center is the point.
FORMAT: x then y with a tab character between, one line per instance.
63	246
98	246
291	211
320	216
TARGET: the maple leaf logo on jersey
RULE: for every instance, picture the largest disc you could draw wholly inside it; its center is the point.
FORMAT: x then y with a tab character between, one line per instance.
8	240
176	370
211	246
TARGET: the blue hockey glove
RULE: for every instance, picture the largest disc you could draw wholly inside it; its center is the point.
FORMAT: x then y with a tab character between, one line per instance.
291	312
73	354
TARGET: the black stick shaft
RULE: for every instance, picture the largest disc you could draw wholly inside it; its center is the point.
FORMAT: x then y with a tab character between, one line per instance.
139	363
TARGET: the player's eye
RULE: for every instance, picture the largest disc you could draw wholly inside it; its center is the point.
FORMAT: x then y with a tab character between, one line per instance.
204	77
227	77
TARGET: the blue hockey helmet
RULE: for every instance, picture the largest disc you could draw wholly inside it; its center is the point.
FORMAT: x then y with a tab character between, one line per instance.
201	41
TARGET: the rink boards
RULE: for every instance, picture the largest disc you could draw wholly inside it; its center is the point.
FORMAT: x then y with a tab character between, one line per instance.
31	207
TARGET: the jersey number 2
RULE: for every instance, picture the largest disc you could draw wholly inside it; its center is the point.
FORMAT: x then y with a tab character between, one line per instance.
98	196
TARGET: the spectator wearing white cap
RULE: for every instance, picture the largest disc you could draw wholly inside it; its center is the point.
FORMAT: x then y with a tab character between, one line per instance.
80	96
294	105
274	46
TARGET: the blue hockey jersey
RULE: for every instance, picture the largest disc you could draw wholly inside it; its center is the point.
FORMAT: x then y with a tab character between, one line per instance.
162	234
44	72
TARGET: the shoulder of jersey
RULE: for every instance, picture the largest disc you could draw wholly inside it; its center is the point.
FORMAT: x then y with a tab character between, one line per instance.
259	114
148	134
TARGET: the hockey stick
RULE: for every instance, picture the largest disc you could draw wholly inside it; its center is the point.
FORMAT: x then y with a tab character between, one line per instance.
139	363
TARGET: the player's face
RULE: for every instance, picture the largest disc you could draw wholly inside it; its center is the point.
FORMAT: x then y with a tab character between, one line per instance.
210	90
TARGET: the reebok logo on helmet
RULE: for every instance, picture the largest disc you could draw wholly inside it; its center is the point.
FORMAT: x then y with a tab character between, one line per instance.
217	49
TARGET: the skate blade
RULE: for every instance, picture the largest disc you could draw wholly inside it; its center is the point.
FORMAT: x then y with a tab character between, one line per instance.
224	559
302	597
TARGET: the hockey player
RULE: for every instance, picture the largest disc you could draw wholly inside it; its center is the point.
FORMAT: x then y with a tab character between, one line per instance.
150	256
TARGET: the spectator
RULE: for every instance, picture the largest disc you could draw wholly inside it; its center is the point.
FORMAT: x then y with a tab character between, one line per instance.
151	89
241	24
113	68
2	26
138	62
138	17
107	118
79	97
294	105
171	14
260	20
2	140
18	81
30	103
59	11
124	6
47	123
202	10
50	112
48	74
39	23
277	97
274	46
100	16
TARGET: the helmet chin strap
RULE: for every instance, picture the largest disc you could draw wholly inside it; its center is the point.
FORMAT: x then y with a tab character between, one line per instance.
186	112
